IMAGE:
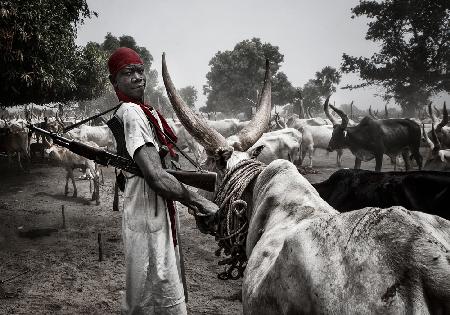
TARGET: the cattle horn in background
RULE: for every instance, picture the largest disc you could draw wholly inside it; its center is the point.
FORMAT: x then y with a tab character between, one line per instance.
425	135
351	110
327	111
444	120
343	116
432	115
309	113
435	140
437	112
370	111
254	130
195	125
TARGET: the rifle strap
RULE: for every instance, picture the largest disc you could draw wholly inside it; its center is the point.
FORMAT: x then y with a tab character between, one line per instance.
68	128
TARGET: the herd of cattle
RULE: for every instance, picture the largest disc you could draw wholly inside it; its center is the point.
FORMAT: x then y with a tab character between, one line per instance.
286	136
303	255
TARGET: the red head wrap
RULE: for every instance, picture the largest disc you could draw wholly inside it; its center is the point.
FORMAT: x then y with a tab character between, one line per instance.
121	58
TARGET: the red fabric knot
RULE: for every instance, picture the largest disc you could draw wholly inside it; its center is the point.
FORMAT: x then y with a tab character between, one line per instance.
121	58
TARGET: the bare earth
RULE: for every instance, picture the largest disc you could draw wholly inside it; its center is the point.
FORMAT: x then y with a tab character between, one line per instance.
65	275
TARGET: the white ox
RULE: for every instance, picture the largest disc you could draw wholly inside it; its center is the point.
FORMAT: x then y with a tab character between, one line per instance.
279	144
306	257
14	142
100	135
70	161
317	137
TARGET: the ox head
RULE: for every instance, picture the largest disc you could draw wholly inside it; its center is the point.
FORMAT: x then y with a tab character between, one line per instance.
338	137
436	160
441	134
221	153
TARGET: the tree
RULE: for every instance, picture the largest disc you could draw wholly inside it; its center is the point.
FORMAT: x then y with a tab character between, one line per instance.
110	43
130	42
326	80
91	75
413	62
39	58
316	90
189	95
236	76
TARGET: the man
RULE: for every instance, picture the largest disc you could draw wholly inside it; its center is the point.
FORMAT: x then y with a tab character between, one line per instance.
153	278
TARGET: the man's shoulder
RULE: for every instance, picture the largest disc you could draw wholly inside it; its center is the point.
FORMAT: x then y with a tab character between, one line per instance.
131	109
128	106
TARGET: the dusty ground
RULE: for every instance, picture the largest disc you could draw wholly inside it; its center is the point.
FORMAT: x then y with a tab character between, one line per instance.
65	275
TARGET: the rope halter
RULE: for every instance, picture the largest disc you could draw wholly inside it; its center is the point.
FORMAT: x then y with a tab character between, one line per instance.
232	217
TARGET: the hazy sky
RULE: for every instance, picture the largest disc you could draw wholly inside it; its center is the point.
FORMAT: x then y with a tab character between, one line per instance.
310	35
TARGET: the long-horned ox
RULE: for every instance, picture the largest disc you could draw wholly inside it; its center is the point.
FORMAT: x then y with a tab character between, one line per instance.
438	159
442	130
303	255
373	138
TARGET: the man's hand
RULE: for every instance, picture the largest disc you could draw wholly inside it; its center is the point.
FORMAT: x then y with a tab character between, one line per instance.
206	207
147	158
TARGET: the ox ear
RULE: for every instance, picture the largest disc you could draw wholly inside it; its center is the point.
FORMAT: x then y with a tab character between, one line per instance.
257	151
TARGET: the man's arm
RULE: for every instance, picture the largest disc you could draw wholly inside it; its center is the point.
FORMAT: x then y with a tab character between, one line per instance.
167	186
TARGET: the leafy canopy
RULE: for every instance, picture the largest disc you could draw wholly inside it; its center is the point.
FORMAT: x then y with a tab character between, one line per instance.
236	76
316	90
189	95
413	61
39	61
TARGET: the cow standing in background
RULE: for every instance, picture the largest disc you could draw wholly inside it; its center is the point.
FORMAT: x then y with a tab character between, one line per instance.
14	142
318	137
374	138
70	161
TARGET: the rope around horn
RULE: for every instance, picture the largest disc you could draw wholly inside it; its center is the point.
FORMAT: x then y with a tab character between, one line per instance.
232	217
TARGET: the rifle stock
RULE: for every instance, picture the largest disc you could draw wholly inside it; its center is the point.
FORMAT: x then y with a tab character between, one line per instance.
202	180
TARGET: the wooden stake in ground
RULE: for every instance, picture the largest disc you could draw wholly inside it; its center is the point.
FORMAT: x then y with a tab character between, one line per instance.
100	247
63	218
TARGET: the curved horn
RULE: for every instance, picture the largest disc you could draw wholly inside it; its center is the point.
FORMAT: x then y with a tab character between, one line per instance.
437	112
207	136
278	122
430	112
444	120
434	138
309	113
254	130
327	111
370	112
343	115
425	135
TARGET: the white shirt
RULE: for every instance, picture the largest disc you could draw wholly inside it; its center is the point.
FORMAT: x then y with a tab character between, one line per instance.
153	278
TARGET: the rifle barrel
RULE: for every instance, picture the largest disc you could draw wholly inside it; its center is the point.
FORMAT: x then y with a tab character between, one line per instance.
203	180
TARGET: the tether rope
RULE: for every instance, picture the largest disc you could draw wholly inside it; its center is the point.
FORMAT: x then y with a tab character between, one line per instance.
232	217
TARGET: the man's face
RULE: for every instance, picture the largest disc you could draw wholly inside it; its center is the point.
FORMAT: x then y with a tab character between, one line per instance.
131	81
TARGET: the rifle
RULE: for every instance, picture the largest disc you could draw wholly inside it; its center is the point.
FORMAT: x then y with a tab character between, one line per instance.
202	180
